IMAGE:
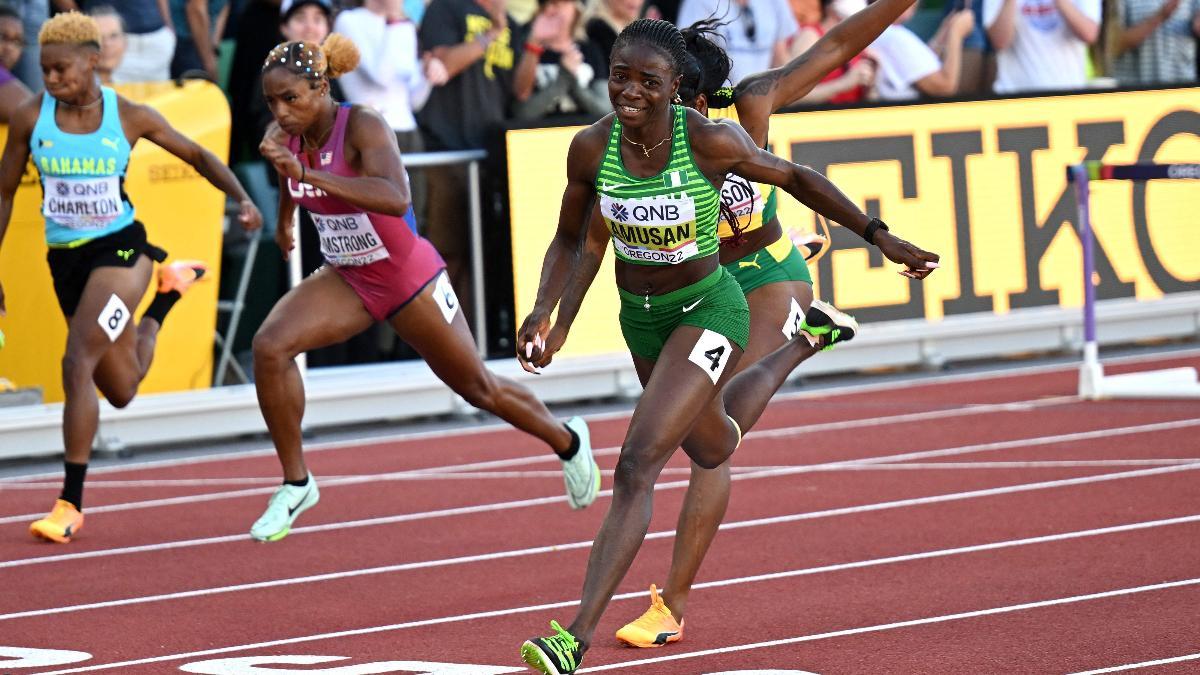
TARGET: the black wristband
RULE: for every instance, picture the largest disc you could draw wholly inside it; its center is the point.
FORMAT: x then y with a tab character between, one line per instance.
875	224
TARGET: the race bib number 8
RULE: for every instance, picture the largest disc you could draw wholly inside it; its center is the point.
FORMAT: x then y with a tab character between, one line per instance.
711	353
113	317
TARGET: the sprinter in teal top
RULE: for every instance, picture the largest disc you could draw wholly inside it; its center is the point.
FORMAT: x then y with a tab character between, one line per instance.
80	136
684	317
83	175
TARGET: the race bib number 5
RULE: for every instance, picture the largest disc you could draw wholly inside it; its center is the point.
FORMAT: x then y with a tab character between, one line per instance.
711	353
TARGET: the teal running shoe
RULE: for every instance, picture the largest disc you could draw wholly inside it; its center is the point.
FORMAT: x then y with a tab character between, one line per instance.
828	325
558	654
581	473
288	502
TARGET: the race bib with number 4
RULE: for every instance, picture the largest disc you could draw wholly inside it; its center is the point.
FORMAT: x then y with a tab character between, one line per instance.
711	353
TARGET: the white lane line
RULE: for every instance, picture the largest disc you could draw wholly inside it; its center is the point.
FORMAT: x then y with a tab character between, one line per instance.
906	384
550	457
1143	664
625	596
899	624
849	465
666	534
786	471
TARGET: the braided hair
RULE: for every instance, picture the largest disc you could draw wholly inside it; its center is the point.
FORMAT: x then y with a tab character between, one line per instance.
335	57
661	36
709	67
707	72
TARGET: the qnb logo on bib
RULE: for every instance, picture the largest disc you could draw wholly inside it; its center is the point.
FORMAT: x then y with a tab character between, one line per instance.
652	229
349	239
83	203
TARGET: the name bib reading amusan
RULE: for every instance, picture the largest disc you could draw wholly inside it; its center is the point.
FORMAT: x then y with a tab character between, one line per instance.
82	203
652	229
349	239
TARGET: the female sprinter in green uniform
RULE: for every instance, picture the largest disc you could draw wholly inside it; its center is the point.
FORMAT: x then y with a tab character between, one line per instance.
80	135
768	267
651	168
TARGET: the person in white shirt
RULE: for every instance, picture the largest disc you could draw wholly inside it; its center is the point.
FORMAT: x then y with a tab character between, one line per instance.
758	33
1041	44
909	68
392	77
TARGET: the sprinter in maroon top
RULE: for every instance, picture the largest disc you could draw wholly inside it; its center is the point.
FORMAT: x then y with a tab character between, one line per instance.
342	163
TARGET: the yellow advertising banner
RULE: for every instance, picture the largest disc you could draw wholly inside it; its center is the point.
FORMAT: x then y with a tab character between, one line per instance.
182	213
982	183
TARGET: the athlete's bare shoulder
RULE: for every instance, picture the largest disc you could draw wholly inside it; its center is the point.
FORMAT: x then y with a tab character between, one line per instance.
25	116
595	135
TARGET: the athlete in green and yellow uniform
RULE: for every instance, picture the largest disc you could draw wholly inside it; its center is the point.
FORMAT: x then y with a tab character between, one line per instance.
769	268
651	170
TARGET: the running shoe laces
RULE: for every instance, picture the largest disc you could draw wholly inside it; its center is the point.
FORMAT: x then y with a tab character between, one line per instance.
654	628
828	325
559	654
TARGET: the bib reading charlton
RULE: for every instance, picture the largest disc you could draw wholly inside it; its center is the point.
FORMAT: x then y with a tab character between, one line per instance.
666	219
82	175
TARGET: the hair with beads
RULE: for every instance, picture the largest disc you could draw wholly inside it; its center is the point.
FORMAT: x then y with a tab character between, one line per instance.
708	69
331	59
662	36
70	28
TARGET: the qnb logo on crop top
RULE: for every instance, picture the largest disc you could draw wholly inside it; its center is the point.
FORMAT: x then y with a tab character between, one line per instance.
652	229
349	239
82	203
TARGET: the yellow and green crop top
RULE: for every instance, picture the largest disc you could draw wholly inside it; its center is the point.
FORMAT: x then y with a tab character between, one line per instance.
742	196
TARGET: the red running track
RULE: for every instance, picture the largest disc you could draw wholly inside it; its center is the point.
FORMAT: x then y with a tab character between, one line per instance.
983	524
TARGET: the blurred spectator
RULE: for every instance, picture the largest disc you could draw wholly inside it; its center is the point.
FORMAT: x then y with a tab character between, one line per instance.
1041	44
12	37
807	12
603	20
848	83
476	42
199	25
908	68
149	40
32	14
568	73
758	33
258	31
978	58
12	42
392	77
1156	43
112	42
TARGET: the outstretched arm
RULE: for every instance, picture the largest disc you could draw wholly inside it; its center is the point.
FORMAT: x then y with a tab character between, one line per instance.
764	93
564	256
726	148
148	123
